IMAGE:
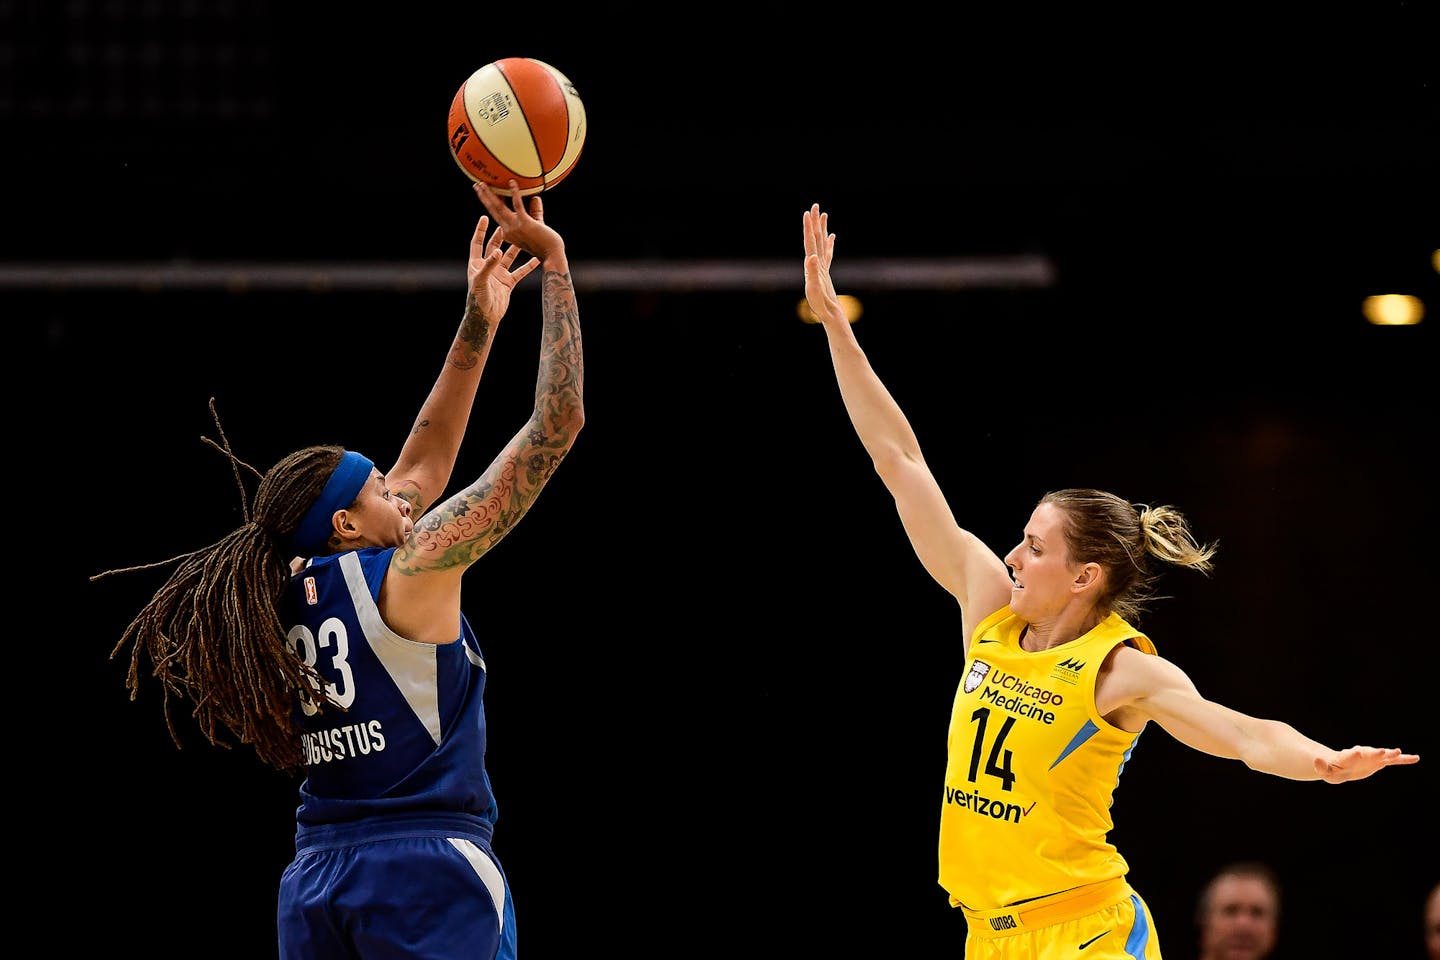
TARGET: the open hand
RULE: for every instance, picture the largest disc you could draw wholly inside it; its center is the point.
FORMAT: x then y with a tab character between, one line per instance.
1357	763
523	226
492	273
819	252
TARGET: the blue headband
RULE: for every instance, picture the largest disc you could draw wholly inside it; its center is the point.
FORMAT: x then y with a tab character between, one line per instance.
344	485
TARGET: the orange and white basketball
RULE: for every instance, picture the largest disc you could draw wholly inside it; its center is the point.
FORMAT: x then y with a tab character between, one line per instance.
517	118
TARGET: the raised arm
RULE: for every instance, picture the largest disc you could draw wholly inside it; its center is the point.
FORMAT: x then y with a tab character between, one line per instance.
422	588
1137	687
422	471
958	561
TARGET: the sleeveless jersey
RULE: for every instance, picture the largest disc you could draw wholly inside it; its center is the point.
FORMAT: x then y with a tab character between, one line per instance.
1032	767
409	745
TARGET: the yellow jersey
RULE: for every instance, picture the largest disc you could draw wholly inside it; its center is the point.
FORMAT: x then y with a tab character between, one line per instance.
1032	767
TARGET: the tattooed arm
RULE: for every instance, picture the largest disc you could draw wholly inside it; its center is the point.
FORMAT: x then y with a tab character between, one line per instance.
423	469
421	597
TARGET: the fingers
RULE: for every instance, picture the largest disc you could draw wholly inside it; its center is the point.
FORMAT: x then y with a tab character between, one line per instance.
817	227
1393	755
477	241
819	241
1359	762
496	238
812	226
504	259
495	203
498	206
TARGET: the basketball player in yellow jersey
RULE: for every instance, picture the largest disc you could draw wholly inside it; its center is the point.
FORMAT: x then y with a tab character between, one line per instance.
1058	684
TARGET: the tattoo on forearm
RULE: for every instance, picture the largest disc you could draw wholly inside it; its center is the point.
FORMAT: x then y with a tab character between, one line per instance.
467	525
562	368
474	337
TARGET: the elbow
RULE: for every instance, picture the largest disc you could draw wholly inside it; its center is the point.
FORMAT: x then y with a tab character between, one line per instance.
559	413
891	462
563	422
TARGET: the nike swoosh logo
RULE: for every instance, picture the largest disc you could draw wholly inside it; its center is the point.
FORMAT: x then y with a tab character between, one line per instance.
1092	940
989	641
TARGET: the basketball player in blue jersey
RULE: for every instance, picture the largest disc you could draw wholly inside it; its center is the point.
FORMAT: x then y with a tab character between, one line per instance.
327	634
1058	684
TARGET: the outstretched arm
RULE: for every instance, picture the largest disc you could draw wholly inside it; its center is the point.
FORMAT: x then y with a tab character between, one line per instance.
423	469
958	561
1139	687
422	599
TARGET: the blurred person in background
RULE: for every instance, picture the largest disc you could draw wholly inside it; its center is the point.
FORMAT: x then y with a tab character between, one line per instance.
1432	923
1239	913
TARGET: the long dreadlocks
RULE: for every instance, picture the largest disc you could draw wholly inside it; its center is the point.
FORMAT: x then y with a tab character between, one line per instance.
213	633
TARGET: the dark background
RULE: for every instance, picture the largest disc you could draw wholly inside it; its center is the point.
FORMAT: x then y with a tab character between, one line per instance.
720	680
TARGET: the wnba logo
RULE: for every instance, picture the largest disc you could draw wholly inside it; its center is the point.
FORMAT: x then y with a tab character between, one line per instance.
1006	922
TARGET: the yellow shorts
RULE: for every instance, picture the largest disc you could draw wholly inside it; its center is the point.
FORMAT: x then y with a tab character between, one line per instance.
1100	921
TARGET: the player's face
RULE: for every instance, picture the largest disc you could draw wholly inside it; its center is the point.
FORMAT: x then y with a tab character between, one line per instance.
1041	567
1241	922
384	518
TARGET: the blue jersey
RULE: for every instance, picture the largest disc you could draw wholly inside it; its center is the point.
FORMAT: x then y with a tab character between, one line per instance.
392	842
409	743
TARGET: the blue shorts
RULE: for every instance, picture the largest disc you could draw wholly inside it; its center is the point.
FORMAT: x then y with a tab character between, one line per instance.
417	898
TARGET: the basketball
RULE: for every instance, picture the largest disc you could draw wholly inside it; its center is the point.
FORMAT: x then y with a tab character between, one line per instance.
517	118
